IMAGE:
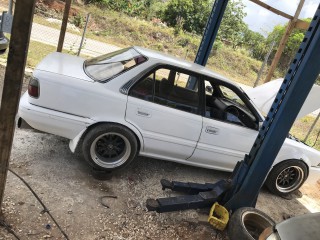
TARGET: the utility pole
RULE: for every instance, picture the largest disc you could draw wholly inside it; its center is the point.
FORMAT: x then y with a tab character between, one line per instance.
311	128
18	50
285	37
64	25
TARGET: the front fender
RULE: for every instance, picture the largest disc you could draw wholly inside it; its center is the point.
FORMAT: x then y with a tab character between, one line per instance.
293	150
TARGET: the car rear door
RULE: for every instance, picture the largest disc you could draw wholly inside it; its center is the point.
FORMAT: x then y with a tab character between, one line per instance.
166	113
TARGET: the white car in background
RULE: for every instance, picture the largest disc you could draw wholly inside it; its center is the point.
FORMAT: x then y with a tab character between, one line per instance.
139	102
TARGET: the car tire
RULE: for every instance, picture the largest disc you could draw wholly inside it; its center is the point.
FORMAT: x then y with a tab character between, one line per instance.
286	177
248	223
109	147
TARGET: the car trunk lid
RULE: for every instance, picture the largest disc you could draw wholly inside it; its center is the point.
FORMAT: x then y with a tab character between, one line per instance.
64	64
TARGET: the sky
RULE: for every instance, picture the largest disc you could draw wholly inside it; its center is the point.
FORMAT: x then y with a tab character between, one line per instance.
261	20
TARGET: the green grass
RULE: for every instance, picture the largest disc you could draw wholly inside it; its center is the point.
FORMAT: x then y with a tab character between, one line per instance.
37	51
301	128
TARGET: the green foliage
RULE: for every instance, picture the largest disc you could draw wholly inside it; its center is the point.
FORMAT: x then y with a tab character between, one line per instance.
291	46
188	15
78	21
255	43
232	25
135	8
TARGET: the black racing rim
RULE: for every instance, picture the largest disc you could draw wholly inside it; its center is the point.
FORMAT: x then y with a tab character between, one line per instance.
110	147
110	150
290	179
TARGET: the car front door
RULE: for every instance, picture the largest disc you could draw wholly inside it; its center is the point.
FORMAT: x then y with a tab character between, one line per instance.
166	112
229	129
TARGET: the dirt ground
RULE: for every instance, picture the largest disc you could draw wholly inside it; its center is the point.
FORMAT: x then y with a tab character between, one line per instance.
64	183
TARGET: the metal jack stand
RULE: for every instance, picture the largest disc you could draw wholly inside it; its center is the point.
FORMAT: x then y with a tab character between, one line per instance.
249	174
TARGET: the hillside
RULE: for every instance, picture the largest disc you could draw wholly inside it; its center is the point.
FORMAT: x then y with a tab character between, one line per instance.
121	30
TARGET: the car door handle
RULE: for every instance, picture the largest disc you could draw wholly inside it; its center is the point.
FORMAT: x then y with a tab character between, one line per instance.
143	113
212	130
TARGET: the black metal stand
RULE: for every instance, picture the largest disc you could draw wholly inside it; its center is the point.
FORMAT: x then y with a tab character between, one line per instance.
201	196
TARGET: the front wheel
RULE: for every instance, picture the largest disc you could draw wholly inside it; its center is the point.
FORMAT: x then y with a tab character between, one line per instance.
109	146
248	223
287	176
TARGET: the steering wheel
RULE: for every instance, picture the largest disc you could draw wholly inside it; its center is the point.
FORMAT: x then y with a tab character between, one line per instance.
233	114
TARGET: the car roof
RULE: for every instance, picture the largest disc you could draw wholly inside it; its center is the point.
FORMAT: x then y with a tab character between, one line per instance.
180	63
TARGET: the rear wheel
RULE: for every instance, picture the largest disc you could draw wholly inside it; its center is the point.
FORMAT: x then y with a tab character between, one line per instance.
287	177
109	146
248	223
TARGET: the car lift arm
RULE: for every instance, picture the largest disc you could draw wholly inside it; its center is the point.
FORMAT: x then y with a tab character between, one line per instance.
249	175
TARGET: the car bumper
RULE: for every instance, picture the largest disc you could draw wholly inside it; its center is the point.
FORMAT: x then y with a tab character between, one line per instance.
314	175
51	121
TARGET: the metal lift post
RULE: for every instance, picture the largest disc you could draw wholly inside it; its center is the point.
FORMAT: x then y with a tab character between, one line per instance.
295	88
211	31
209	36
249	175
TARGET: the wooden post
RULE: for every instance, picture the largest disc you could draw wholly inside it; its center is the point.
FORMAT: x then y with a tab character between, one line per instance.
18	50
290	27
311	128
64	25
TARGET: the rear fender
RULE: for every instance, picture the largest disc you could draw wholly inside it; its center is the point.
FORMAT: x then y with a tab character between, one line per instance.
73	144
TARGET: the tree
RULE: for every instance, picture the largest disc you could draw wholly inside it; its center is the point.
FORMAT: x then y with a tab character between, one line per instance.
232	25
189	15
255	43
292	44
141	8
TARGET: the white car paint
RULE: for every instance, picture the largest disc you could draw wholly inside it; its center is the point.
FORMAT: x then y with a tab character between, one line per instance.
176	138
264	95
70	102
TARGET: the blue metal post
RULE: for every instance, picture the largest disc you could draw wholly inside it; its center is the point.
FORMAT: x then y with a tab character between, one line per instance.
210	31
209	36
295	88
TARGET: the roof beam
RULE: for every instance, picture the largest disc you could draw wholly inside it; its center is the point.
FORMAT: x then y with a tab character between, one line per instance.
271	9
299	24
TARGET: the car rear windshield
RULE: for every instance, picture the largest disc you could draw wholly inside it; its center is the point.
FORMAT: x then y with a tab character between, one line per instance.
112	64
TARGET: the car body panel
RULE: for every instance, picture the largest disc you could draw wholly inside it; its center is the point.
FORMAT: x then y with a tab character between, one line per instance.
300	227
51	121
176	137
65	65
264	95
70	103
223	144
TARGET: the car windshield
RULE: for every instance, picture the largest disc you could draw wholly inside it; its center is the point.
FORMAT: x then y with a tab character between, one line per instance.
112	64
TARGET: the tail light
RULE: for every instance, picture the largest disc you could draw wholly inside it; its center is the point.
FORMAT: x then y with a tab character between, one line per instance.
34	88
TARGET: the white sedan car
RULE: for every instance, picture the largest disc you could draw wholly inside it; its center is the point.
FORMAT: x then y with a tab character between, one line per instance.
139	102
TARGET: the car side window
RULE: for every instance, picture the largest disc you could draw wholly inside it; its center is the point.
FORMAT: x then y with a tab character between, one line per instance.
224	104
144	88
172	90
169	88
